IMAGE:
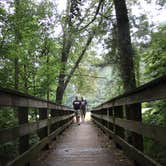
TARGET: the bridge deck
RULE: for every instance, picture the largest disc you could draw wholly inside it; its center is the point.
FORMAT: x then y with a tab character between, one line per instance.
82	145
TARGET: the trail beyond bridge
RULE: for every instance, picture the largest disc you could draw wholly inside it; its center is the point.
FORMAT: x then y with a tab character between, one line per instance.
61	142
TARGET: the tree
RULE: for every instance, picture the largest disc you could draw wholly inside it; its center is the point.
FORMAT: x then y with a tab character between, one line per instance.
73	26
127	65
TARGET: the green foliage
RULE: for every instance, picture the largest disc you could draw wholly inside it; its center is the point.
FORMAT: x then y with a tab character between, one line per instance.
155	150
8	152
154	57
156	113
25	34
7	120
7	117
155	66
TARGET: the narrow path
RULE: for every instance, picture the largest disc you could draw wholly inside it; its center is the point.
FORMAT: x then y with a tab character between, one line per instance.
82	145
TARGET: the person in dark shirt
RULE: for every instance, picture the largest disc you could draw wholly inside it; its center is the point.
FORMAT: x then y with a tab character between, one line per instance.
83	106
76	106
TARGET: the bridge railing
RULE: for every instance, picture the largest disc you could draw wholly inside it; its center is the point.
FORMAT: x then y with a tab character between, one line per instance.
52	120
110	117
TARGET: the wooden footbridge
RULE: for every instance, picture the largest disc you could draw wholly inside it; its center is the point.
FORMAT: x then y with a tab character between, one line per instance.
83	144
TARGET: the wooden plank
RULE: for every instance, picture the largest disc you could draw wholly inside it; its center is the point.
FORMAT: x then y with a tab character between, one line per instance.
34	150
157	133
60	118
18	101
104	117
131	151
7	135
58	107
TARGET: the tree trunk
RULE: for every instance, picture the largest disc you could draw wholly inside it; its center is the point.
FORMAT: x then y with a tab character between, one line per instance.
70	32
59	94
25	79
67	42
17	40
48	83
133	112
16	73
125	48
64	82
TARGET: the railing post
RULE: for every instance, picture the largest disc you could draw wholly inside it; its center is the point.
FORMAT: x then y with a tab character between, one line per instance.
124	117
61	113
113	118
108	126
43	114
54	113
133	112
24	140
118	113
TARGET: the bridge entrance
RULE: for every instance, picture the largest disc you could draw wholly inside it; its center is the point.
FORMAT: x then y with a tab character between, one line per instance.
82	145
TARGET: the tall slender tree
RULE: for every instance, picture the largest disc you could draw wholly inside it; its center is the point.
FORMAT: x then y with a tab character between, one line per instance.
17	40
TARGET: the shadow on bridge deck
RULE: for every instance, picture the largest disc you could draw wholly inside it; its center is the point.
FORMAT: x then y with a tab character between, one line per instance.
82	145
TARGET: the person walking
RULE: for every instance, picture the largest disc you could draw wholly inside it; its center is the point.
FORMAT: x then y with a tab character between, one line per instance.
76	106
83	106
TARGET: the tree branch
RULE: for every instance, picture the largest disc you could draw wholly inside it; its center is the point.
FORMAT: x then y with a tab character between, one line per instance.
94	18
79	58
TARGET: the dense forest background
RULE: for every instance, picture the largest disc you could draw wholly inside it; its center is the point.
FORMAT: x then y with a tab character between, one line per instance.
56	51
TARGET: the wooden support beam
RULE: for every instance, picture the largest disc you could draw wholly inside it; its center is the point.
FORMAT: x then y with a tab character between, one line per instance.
54	113
22	119
133	112
43	114
24	140
118	113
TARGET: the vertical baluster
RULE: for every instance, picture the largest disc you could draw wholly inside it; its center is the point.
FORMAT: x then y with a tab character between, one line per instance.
53	115
24	140
119	114
113	118
61	113
43	114
133	112
108	126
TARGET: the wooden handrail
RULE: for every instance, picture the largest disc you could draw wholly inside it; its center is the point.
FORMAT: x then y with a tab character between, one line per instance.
46	127
13	98
153	90
110	117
